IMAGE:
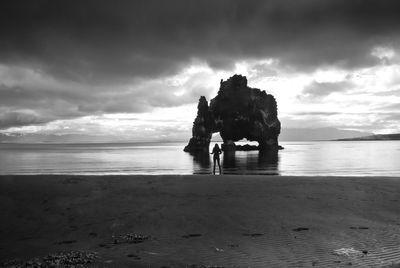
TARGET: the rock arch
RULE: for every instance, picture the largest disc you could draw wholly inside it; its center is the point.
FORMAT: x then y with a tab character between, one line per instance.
237	112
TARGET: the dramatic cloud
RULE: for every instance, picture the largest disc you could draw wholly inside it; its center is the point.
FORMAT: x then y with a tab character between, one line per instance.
11	119
326	88
61	60
46	99
92	40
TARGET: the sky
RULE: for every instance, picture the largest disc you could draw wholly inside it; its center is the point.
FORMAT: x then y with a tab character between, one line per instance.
134	70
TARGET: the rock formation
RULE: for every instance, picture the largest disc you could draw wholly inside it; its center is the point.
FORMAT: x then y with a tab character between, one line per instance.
237	112
201	131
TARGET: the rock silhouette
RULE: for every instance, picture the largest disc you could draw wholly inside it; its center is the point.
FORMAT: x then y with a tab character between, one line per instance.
237	112
201	131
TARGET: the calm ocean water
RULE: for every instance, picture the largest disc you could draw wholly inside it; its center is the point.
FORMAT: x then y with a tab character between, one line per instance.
347	158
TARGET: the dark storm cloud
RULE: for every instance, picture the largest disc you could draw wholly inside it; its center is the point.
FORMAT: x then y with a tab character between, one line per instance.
13	119
99	40
21	106
91	52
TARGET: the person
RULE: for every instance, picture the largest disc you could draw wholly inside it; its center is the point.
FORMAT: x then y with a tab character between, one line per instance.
216	151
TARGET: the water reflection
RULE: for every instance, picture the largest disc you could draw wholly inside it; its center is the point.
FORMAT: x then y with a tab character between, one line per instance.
239	162
229	160
361	158
201	162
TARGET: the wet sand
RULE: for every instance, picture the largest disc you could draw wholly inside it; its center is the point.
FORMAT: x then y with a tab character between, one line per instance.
203	221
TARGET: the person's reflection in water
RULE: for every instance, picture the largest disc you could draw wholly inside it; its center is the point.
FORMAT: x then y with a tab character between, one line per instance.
264	162
216	152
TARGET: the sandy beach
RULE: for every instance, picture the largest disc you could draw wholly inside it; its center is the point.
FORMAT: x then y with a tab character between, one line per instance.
203	221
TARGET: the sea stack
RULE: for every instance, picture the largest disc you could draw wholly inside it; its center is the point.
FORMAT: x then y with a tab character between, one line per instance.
237	112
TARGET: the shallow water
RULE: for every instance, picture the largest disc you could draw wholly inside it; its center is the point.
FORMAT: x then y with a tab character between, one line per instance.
340	158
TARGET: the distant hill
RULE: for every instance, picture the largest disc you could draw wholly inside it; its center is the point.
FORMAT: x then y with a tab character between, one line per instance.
287	134
319	134
51	138
377	137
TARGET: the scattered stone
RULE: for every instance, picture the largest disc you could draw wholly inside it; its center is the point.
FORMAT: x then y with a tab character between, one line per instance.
130	238
12	263
135	238
299	229
365	252
72	259
219	250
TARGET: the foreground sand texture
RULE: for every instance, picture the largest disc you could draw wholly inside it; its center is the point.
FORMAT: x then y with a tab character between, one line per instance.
203	221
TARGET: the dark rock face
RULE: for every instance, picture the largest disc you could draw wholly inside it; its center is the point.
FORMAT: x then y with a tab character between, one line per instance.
201	131
237	112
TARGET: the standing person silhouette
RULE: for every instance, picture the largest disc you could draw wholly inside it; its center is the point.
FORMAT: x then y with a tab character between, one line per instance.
216	151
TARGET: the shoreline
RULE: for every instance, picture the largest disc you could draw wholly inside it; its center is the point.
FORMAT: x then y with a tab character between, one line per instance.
203	220
90	175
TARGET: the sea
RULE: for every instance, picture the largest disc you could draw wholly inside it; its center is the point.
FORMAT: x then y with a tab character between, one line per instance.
313	158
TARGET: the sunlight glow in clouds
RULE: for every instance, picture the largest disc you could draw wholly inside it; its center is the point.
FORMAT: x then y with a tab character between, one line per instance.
383	52
358	107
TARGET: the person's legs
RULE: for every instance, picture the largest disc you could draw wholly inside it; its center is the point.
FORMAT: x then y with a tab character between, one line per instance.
219	166
214	167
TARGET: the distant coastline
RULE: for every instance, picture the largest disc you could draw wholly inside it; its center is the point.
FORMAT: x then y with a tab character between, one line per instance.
377	137
287	134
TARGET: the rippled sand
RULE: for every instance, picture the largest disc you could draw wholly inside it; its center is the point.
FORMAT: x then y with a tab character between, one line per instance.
203	221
